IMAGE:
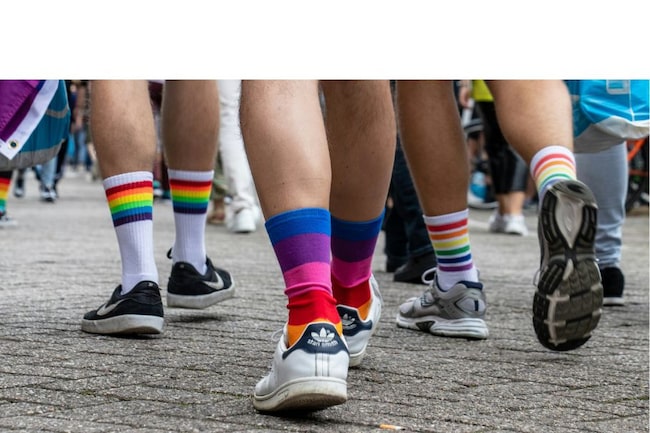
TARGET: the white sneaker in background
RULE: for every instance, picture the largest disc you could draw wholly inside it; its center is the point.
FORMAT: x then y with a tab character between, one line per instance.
496	223
510	224
243	221
515	225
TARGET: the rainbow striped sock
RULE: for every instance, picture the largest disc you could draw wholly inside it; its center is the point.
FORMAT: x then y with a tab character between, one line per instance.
190	192
130	200
5	182
550	165
353	246
449	236
301	241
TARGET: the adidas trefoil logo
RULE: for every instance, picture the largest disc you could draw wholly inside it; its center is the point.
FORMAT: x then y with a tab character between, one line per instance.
324	338
349	322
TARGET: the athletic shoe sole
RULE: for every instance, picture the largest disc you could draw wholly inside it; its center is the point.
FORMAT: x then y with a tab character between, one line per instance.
124	324
462	328
567	304
200	301
309	394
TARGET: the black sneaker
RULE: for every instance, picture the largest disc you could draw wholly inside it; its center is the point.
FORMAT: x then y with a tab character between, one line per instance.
138	312
613	286
189	289
412	270
569	296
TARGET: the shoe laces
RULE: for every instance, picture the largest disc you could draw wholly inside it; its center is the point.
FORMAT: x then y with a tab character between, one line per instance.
433	271
426	273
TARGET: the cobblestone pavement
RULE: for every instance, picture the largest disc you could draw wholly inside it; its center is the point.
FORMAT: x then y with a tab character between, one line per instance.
62	260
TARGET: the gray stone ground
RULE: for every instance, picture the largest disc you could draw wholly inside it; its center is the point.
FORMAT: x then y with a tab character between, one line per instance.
62	260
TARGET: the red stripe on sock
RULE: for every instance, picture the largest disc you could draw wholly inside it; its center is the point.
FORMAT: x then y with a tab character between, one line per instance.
307	307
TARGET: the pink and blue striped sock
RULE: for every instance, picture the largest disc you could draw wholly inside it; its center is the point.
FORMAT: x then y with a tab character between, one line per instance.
130	200
301	241
353	246
449	236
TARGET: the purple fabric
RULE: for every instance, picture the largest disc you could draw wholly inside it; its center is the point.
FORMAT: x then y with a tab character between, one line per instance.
16	98
300	249
353	251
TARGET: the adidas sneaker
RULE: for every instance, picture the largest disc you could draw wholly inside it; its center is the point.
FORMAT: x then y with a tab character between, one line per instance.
308	376
357	332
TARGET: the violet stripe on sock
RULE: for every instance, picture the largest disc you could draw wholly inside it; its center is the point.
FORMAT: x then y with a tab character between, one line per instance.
301	241
353	245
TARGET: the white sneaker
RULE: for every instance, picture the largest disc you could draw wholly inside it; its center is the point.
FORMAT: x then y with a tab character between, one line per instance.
510	224
310	375
496	223
515	225
243	221
357	332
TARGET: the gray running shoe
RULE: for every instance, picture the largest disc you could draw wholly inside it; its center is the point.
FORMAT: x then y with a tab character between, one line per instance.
569	296
458	312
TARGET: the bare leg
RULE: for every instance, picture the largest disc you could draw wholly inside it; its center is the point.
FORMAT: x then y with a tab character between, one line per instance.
190	127
533	114
286	144
122	124
431	134
361	135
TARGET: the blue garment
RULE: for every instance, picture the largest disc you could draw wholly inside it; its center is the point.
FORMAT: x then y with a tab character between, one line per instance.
45	136
608	111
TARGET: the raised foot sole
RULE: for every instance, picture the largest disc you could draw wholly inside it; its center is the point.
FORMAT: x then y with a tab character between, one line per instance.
198	302
306	395
461	328
126	324
569	297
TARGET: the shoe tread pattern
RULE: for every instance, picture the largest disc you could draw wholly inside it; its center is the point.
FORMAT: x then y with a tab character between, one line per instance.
567	310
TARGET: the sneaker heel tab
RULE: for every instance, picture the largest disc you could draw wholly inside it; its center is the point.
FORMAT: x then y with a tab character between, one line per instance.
319	337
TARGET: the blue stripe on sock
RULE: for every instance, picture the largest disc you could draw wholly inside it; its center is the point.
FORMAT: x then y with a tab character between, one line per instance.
298	222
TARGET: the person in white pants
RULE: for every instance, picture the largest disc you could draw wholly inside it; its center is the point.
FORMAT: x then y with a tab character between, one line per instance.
242	210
